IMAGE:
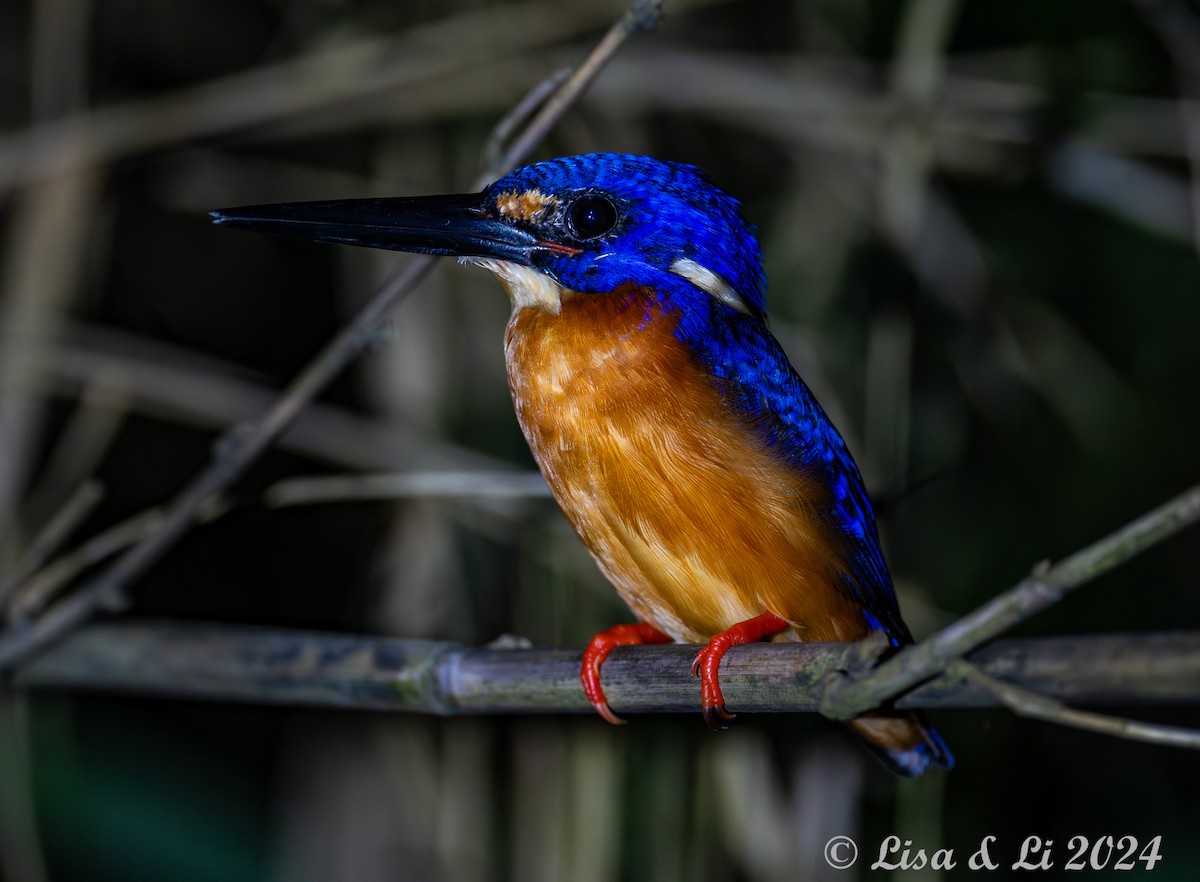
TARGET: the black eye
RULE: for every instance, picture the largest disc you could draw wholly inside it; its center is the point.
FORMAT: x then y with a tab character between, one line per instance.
591	216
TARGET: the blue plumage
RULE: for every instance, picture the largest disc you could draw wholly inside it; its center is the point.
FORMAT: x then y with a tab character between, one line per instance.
671	211
668	211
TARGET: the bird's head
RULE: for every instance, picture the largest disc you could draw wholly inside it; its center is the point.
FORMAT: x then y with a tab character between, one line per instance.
588	224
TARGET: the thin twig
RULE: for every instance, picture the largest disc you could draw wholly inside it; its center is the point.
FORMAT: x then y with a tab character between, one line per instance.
242	445
640	16
406	485
94	424
73	512
1027	703
33	594
847	697
40	587
493	148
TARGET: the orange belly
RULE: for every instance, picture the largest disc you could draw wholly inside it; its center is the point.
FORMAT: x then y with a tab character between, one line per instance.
697	523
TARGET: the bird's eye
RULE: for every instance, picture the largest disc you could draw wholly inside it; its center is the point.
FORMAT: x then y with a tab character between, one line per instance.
591	216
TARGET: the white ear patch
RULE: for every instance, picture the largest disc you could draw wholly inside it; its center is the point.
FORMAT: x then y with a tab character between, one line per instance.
710	283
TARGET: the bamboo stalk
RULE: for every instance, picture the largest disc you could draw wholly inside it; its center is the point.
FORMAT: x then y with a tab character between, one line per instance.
271	666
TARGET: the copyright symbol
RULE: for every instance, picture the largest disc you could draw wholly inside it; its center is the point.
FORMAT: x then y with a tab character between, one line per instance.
841	852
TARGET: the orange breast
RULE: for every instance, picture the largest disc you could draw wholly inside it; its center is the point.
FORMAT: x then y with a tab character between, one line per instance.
697	524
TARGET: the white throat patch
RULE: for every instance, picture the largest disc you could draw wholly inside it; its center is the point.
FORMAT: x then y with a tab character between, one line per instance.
710	283
526	286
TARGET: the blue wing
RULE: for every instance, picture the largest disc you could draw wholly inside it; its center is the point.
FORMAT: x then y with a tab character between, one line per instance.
752	370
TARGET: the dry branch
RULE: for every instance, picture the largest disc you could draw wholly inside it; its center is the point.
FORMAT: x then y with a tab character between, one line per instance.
260	665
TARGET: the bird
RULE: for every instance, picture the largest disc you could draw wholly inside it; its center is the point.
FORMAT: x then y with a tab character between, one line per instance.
690	458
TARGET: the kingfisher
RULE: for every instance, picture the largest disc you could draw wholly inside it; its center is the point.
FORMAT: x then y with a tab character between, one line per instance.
686	452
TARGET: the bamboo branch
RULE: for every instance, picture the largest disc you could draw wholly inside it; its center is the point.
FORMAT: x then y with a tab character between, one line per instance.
243	444
261	665
849	697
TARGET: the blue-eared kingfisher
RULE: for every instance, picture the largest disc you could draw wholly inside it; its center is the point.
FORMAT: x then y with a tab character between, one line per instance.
688	455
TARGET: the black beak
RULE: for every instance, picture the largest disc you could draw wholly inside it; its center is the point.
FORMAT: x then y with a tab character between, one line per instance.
456	226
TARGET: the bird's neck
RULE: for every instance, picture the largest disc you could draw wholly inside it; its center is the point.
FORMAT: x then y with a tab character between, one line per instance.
600	360
595	339
528	288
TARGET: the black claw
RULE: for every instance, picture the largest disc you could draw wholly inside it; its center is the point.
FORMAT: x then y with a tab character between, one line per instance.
717	718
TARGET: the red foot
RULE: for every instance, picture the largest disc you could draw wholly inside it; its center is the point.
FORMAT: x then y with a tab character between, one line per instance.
708	662
598	650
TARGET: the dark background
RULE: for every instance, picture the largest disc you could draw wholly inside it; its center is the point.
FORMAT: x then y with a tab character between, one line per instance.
979	223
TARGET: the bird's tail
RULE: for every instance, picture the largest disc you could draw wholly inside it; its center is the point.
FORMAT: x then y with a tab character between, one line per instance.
903	741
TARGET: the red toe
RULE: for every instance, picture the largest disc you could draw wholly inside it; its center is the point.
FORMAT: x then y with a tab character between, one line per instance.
708	663
599	648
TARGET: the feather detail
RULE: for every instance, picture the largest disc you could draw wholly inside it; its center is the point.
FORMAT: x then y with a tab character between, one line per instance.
697	524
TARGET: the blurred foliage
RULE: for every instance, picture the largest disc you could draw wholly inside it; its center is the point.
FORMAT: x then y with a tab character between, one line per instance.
979	226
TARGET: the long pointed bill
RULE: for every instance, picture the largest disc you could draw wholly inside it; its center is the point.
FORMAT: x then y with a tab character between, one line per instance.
457	226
